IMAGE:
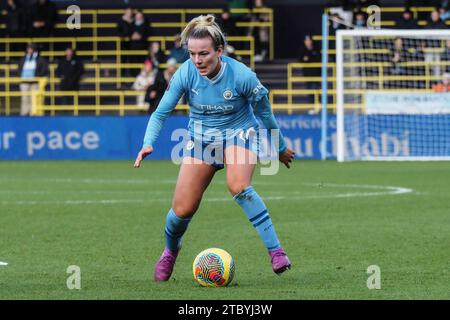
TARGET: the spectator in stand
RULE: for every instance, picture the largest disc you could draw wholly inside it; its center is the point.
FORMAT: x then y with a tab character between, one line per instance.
434	57
15	19
444	85
445	56
419	51
399	53
140	31
260	34
309	54
178	52
143	81
15	24
124	26
444	13
418	55
337	23
30	67
155	54
240	17
360	21
435	21
70	69
156	91
420	15
227	23
358	6
407	21
42	17
124	29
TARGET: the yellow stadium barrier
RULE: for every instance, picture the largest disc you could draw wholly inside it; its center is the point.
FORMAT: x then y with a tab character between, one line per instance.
40	107
399	10
182	18
36	96
116	53
382	77
120	108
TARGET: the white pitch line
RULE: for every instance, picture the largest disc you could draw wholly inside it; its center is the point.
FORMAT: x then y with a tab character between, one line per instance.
2	264
388	190
173	181
124	181
76	202
82	180
47	192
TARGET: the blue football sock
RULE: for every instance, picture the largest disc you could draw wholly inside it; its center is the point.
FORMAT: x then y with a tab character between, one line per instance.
174	230
257	213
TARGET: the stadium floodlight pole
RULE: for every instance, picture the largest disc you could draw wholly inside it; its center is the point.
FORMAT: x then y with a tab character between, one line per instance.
323	146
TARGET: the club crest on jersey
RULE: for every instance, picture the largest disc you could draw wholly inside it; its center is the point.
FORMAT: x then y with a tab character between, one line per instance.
190	145
227	94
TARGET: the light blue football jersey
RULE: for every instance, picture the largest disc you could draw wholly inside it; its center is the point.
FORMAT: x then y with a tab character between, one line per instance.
220	104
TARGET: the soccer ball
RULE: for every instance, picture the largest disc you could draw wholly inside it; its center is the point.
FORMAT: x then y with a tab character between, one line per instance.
213	267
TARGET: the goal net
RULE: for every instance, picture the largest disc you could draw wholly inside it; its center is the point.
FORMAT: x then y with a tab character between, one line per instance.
392	94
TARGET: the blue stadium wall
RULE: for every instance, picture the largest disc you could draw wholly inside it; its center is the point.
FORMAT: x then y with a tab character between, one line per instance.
120	138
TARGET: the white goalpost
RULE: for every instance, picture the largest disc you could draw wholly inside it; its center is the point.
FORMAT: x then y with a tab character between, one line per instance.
391	101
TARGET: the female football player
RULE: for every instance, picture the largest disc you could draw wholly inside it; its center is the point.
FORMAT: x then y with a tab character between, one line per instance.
222	94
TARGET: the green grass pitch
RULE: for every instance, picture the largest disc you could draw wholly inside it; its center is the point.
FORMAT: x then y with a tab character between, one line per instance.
334	220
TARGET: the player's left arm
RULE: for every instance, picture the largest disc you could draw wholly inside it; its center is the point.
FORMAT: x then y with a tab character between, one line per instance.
257	95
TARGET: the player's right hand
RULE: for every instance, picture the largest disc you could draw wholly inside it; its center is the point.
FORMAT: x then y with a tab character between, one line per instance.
141	156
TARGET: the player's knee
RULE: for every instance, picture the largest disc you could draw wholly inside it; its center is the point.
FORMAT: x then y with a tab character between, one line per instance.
236	187
184	210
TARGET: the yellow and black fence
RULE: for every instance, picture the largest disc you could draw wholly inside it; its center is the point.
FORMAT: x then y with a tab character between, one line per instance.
89	47
100	23
391	15
119	102
292	99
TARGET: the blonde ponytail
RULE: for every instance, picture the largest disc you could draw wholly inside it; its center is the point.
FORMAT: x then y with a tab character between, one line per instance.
203	27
